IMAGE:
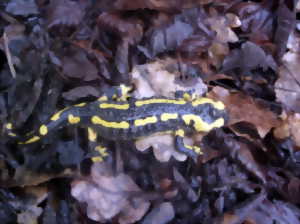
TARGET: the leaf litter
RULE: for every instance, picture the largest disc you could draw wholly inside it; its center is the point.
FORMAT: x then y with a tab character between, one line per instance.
54	54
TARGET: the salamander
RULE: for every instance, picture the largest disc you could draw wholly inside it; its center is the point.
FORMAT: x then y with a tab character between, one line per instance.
129	119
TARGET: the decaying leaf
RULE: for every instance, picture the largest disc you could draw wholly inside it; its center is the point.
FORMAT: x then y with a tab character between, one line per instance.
80	92
243	108
289	128
64	12
288	84
75	64
162	78
22	7
244	53
108	195
163	147
160	214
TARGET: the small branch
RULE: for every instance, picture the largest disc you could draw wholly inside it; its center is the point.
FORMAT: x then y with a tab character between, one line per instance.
8	56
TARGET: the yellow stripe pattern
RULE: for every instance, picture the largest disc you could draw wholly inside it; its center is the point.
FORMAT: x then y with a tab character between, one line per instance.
56	116
99	121
168	116
145	121
140	103
201	125
114	106
217	104
31	140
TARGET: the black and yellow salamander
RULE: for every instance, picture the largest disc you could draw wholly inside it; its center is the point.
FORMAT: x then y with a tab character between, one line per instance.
129	119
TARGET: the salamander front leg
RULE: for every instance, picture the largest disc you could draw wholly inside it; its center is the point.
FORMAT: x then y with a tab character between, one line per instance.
117	93
192	151
98	152
186	95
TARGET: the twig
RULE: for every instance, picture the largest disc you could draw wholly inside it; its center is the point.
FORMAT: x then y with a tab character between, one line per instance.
8	56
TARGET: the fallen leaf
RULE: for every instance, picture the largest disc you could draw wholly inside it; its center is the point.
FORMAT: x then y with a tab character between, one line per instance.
165	38
108	195
160	214
75	64
249	57
163	147
162	78
287	87
289	128
22	7
64	12
81	92
241	107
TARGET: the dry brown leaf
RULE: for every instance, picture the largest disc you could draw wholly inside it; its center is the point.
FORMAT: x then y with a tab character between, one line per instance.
233	20
64	12
289	128
108	195
77	65
160	79
241	107
287	86
221	26
35	195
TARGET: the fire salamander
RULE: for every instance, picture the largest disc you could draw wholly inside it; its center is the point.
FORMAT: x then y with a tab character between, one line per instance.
129	119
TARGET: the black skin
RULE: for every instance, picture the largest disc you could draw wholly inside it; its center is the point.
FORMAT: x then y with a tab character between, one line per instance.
207	112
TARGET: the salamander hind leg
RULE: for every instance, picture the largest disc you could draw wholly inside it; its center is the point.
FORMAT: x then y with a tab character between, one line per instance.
191	151
99	153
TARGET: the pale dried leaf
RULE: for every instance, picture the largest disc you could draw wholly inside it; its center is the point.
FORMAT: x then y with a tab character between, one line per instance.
108	195
157	79
289	128
288	85
163	147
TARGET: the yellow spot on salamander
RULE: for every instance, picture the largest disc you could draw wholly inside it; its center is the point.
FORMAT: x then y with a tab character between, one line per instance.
217	104
151	101
109	124
73	119
56	116
31	140
145	121
103	98
97	159
180	133
199	124
43	130
168	116
103	153
102	150
9	126
80	105
124	92
12	134
196	149
92	135
187	96
114	106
